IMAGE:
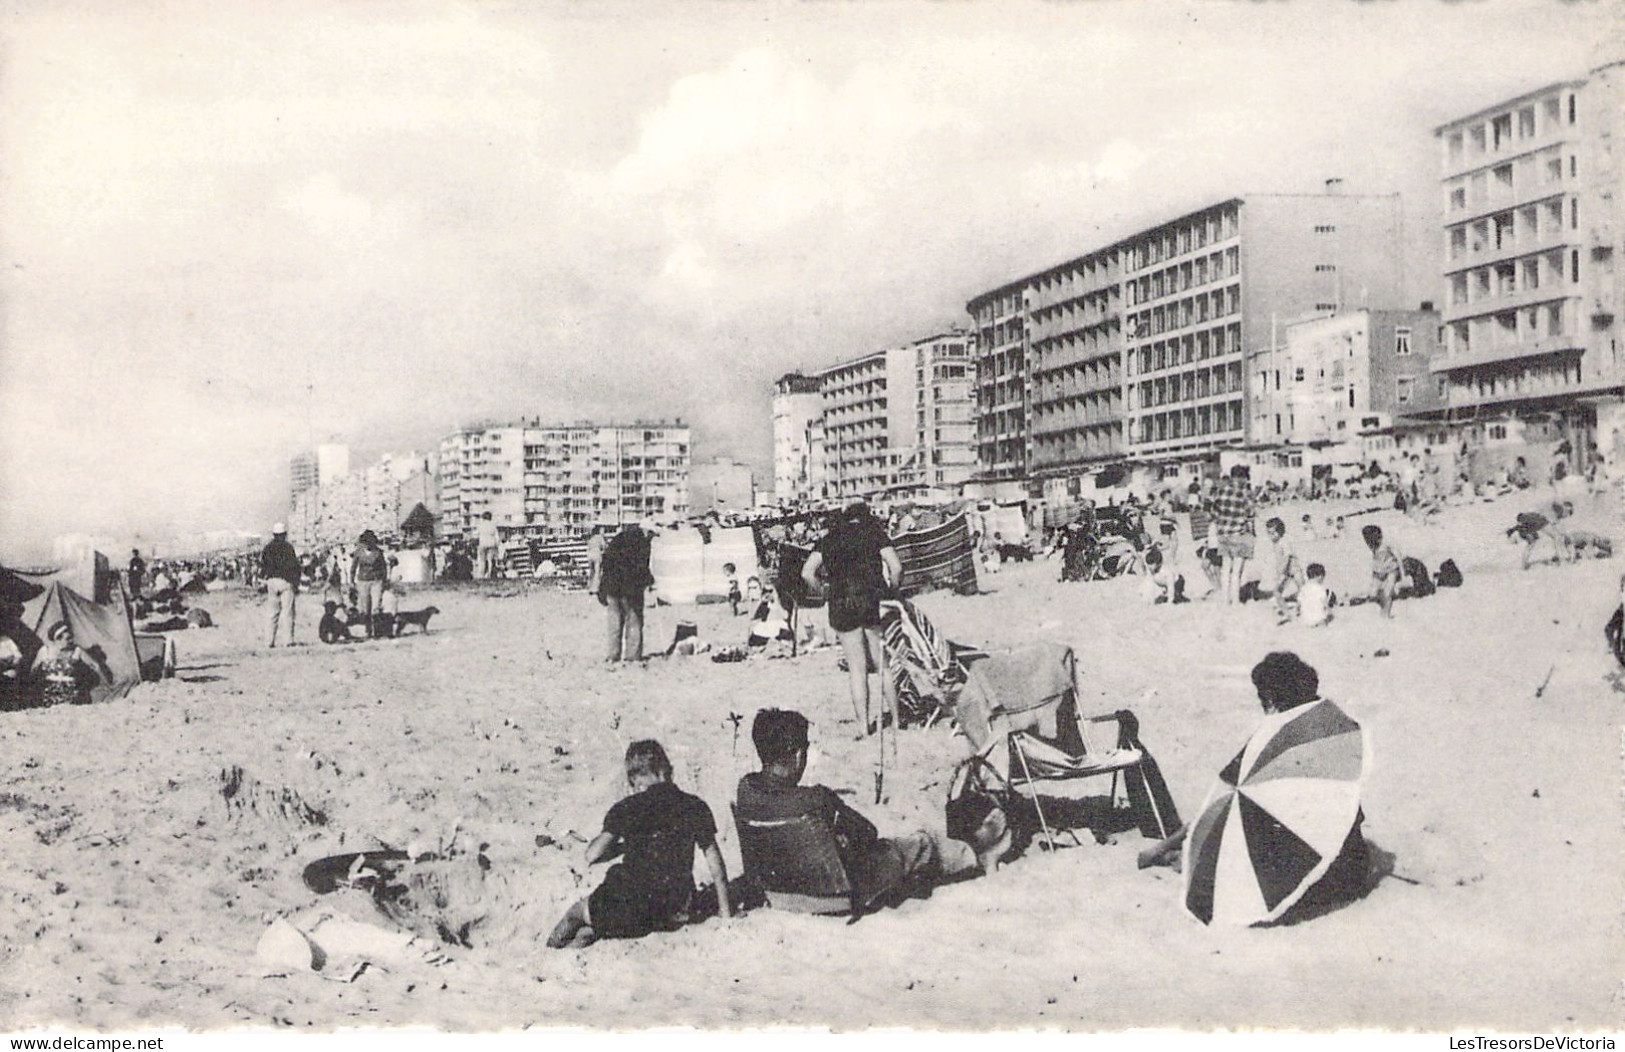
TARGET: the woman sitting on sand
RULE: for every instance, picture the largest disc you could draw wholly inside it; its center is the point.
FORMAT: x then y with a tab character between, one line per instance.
64	673
1285	682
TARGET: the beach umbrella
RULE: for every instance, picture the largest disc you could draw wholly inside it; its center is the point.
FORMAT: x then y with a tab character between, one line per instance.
1277	817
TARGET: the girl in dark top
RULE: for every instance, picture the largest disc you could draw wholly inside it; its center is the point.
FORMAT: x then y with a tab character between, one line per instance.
655	830
861	566
369	569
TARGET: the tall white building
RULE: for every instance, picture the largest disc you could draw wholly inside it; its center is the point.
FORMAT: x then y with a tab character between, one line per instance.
552	483
326	462
900	421
1533	190
798	408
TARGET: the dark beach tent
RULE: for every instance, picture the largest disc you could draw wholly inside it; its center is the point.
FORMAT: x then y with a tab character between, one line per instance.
418	526
103	631
17	589
1277	818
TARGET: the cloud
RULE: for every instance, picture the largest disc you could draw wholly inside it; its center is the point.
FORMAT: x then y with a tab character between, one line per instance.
230	231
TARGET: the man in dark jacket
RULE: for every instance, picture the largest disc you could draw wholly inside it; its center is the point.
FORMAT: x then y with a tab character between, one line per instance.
880	868
623	575
138	573
279	564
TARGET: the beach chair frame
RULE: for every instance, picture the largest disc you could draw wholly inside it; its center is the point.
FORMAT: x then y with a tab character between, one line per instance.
797	864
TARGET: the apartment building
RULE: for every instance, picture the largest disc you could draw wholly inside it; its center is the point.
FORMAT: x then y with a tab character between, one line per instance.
374	497
1532	193
1140	348
938	408
1207	294
553	483
857	426
1342	376
1049	394
306	470
798	404
899	421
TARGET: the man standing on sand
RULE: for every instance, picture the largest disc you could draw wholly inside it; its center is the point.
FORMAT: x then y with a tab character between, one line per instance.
138	572
1233	515
489	541
280	567
622	576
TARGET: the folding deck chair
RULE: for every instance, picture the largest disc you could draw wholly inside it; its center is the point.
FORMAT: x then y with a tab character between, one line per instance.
797	862
926	668
1018	710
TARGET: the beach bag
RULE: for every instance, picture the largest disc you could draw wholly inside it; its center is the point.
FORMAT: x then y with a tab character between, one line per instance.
1421	582
974	816
1530	523
1449	576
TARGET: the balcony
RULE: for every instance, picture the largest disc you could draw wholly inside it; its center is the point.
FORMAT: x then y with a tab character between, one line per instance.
1545	345
1496	303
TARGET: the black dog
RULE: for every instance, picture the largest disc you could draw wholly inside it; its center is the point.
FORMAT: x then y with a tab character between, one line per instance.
415	617
333	629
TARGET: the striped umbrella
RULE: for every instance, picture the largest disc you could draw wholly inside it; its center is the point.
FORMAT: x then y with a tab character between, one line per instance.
1277	817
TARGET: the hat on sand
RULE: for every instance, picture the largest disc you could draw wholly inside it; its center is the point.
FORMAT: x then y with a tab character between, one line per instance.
279	529
778	733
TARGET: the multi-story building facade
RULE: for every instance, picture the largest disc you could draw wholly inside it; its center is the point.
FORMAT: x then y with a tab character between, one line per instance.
1049	394
1533	284
797	405
306	470
899	421
1344	375
937	449
856	422
1207	292
554	483
376	497
1139	349
1000	321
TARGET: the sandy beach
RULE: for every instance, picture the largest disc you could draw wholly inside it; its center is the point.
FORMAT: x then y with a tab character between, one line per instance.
146	844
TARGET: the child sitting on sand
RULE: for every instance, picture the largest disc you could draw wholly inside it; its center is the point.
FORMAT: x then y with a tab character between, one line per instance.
1386	569
656	830
1162	584
1315	600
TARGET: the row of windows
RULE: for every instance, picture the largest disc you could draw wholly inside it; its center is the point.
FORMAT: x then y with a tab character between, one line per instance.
1505	181
1183	350
1191	423
1525	226
1188	275
1532	380
1194	310
1506	329
1498	132
1186	387
1513	277
1186	237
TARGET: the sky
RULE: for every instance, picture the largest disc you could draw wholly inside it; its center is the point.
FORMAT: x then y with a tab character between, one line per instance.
229	231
